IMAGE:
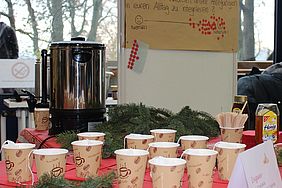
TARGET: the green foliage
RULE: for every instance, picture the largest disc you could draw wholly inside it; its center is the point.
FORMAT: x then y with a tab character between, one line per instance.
279	157
137	118
66	138
48	181
104	181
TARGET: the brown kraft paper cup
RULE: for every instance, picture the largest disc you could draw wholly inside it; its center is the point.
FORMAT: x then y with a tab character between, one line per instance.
91	136
51	161
16	160
193	141
87	157
163	135
164	149
226	158
131	166
230	134
167	172
200	165
138	141
41	119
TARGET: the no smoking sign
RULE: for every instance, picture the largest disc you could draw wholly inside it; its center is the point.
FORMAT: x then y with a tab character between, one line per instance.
20	70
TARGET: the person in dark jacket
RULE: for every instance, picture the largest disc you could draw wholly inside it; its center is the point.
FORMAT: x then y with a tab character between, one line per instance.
8	42
262	88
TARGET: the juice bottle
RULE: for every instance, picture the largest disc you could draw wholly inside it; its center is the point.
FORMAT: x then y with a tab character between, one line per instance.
267	123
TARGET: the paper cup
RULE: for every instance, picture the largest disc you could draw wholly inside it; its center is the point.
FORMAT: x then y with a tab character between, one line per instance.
17	162
41	119
167	172
231	134
226	158
163	135
91	136
138	141
164	149
51	161
131	166
200	165
87	156
193	141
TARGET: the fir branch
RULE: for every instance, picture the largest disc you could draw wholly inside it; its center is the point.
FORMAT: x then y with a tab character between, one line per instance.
104	181
138	118
48	181
66	138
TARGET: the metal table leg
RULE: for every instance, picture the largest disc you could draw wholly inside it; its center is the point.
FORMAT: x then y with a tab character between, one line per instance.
3	129
21	115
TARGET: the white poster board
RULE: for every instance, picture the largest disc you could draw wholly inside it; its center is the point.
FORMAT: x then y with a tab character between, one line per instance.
17	73
173	79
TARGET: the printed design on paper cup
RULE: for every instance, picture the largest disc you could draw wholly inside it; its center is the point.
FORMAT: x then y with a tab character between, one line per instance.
187	157
88	148
200	184
220	151
208	158
198	170
20	70
172	168
9	165
57	170
124	172
44	120
193	144
138	56
18	173
19	153
154	169
137	160
134	180
86	167
144	141
42	157
79	160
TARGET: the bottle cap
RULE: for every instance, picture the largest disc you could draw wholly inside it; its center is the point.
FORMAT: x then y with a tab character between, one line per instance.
240	98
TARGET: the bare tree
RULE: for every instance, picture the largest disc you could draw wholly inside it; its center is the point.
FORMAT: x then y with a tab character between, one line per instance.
48	20
34	24
10	15
247	26
56	9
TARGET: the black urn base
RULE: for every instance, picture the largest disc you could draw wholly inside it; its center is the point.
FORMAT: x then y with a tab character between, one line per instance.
74	120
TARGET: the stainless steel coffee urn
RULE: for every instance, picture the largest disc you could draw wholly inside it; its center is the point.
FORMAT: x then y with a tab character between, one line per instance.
77	85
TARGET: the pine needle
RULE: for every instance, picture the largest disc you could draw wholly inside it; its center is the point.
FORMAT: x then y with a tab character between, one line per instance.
66	138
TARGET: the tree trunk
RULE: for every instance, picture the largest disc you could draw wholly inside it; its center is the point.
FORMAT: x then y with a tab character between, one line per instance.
34	27
248	48
97	14
11	14
57	33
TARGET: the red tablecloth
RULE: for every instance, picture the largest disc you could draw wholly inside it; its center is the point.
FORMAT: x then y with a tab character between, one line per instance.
248	138
32	136
107	165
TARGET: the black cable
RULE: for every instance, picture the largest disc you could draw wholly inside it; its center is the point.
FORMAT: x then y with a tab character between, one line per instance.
43	141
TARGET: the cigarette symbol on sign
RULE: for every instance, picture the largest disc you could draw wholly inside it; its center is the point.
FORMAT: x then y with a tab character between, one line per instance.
20	70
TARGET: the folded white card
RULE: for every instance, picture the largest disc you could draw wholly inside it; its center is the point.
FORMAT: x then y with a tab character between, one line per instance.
256	168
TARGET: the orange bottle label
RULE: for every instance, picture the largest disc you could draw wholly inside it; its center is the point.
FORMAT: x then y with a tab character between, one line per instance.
269	127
